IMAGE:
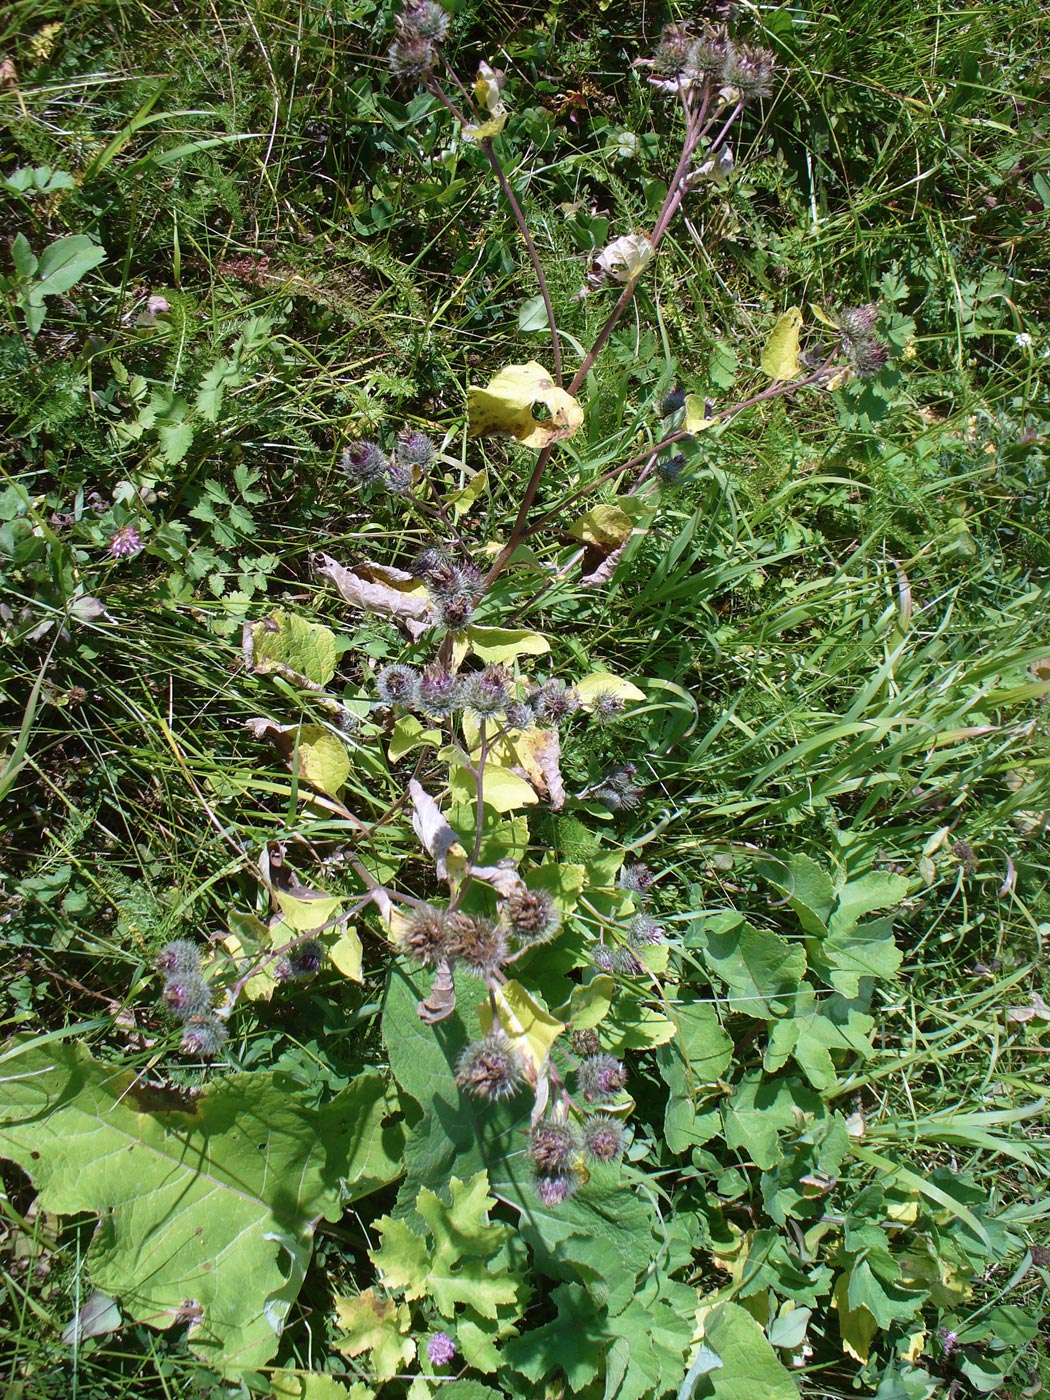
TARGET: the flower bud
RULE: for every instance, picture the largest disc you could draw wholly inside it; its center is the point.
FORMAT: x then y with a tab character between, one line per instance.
553	701
672	402
303	961
488	691
637	877
644	931
414	449
556	1190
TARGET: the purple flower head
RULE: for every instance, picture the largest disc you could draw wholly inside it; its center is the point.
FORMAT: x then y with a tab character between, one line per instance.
125	543
602	1138
556	1190
440	1349
600	1078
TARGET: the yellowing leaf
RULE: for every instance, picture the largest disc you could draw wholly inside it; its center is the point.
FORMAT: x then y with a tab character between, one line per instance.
505	407
780	356
606	526
345	955
461	501
290	644
604	683
488	95
529	1026
696	419
856	1325
502	790
377	1325
819	314
305	910
499	644
323	760
262	984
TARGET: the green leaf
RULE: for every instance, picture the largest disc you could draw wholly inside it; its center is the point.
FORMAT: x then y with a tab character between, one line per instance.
461	501
210	1199
314	1385
811	1033
866	951
574	1342
699	1053
465	1243
761	970
25	260
780	354
286	642
403	1259
305	910
750	1369
175	440
809	890
876	890
409	734
500	644
532	315
65	262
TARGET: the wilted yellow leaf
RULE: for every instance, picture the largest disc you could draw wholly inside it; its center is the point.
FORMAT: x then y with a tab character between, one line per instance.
696	419
502	790
488	94
506	643
345	954
323	760
780	356
856	1325
606	526
461	501
604	683
306	910
506	406
527	1023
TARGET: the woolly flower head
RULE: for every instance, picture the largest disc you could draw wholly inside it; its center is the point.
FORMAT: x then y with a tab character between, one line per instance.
490	1068
455	613
439	692
414	449
637	878
644	931
364	461
749	69
530	916
398	685
424	936
178	958
556	1190
868	357
554	701
303	961
187	996
553	1146
479	943
602	1137
600	1078
487	692
204	1036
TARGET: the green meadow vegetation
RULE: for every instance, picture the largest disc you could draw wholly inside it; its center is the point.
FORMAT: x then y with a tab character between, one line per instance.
525	681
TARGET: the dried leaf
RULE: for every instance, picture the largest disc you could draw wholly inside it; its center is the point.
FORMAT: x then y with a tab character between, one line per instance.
374	588
433	830
625	258
441	1002
488	95
598	569
505	407
540	753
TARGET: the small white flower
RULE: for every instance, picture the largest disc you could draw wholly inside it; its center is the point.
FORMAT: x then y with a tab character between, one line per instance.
1023	341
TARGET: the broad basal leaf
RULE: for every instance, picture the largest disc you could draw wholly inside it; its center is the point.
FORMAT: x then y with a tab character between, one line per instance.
750	1369
505	407
206	1209
761	970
